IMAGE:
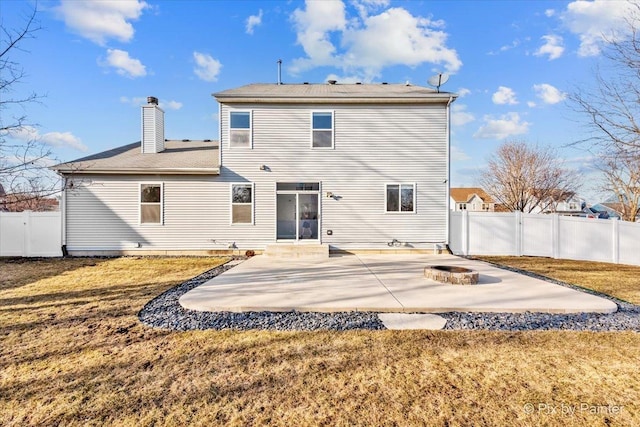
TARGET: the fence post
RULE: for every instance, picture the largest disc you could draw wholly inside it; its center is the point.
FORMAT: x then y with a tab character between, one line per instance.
615	228
518	236
26	234
555	235
465	233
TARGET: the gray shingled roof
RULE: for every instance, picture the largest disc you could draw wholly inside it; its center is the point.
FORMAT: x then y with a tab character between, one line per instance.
332	93
179	157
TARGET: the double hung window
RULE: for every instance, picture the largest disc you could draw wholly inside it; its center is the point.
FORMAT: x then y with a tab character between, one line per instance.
240	129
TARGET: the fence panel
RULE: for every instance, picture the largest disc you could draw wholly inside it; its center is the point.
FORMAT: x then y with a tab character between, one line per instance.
492	233
629	242
30	234
480	233
585	239
537	235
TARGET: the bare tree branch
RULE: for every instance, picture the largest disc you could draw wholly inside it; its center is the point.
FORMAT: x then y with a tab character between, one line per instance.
527	178
611	112
24	174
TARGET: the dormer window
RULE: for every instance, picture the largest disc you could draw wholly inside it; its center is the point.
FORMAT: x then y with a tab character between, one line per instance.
240	129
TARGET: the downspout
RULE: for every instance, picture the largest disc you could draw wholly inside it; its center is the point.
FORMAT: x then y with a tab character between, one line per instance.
448	183
63	216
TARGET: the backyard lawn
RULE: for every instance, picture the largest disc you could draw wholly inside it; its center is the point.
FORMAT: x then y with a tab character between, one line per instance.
72	352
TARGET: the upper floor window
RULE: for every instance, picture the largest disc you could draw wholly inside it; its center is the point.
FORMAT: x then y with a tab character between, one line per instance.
463	206
485	206
401	198
240	129
322	129
150	203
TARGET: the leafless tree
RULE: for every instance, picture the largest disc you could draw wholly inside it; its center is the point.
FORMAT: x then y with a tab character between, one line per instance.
611	111
622	178
527	178
23	164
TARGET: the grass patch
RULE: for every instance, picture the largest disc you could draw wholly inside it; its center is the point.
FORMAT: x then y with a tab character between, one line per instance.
72	352
619	281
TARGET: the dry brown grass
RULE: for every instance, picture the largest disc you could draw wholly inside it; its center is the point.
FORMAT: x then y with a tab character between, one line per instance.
73	353
620	281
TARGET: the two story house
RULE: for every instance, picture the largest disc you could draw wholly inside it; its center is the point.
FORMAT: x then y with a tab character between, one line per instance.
349	166
472	199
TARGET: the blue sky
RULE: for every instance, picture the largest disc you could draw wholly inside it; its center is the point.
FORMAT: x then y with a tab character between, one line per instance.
511	62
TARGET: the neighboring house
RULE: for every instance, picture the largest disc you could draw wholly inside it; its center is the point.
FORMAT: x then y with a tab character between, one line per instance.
614	209
563	203
354	166
471	199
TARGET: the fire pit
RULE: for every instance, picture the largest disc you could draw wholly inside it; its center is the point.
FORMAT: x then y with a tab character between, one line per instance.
452	275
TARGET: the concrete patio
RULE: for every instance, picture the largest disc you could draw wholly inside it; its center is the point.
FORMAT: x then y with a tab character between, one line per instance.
381	283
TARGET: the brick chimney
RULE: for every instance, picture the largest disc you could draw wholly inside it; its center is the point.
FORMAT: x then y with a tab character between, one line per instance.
152	127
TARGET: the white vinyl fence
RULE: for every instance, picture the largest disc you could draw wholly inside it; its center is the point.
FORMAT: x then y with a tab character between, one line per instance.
515	233
30	234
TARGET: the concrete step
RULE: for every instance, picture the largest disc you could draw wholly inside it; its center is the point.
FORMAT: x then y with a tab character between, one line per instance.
298	251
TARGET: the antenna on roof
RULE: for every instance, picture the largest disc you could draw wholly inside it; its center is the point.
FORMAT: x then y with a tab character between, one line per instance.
438	80
279	71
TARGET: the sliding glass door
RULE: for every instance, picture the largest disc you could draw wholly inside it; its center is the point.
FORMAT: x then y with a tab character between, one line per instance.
298	211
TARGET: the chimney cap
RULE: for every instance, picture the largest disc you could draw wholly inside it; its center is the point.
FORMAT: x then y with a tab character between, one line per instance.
332	82
152	100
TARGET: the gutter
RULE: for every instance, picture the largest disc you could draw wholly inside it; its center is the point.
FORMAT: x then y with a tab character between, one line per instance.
136	171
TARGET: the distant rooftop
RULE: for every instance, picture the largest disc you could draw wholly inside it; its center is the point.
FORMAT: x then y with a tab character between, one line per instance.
179	157
465	194
327	92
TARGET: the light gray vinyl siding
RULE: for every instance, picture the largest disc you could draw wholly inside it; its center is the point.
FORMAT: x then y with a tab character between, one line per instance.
102	213
373	146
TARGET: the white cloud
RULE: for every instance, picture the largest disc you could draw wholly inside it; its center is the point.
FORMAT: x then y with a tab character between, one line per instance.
458	154
549	13
462	92
531	104
207	68
552	47
504	95
460	116
549	94
99	21
137	101
124	64
54	139
170	105
507	125
594	20
253	21
368	43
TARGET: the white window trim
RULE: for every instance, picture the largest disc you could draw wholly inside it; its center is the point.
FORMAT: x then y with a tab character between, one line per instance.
250	147
253	204
400	184
333	129
150	224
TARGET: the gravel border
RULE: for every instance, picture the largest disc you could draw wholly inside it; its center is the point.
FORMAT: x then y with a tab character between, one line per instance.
166	312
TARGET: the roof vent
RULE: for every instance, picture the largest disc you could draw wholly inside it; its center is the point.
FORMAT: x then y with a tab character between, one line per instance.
305	83
185	140
332	82
152	100
358	83
207	140
384	83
